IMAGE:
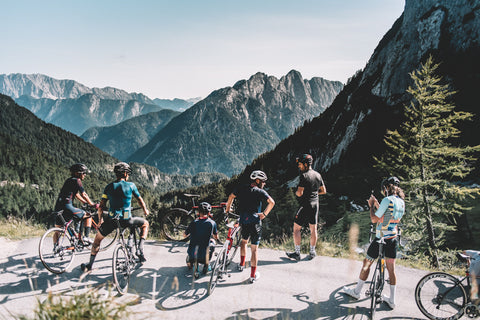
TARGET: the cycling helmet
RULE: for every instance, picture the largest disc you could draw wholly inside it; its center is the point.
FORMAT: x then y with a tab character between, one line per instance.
79	168
392	180
204	207
305	159
258	174
122	167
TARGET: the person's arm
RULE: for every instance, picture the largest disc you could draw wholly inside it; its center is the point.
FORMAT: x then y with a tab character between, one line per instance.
270	205
231	197
143	206
101	208
375	216
322	190
83	197
299	192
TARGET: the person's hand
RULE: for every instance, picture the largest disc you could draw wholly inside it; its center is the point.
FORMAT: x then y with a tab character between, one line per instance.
146	212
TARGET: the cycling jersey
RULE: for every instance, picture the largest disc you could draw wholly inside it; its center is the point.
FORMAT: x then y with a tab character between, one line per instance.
65	198
250	200
390	212
200	232
119	194
310	181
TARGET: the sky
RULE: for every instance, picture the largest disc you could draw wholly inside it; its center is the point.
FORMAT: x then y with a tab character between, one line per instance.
188	48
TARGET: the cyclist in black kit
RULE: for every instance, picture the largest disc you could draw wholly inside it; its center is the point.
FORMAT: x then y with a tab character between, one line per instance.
310	186
251	198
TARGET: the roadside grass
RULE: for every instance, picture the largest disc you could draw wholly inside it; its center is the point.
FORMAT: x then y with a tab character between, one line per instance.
90	304
14	228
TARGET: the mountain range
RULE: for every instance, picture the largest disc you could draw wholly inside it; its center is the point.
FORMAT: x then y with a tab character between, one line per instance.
55	101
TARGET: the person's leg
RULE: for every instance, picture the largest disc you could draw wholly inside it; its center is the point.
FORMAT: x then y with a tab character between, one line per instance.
253	260
313	239
87	223
93	253
297	236
243	252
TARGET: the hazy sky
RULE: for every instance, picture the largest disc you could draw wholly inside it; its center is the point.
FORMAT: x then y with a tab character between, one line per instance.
188	48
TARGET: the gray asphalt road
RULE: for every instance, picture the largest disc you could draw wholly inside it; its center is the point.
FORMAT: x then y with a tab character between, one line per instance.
163	286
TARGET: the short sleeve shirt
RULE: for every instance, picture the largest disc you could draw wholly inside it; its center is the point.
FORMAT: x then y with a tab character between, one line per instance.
310	181
390	211
200	231
120	194
250	201
70	188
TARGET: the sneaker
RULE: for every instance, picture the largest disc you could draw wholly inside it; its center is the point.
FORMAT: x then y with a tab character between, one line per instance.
311	255
351	293
293	255
86	267
257	276
87	241
240	268
141	258
390	303
206	269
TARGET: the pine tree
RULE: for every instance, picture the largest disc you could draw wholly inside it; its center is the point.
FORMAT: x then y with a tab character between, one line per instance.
426	153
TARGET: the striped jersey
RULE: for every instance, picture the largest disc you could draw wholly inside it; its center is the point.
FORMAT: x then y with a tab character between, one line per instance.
390	212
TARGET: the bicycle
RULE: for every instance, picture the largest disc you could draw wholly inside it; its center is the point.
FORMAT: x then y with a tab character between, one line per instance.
123	261
440	295
227	252
177	220
58	246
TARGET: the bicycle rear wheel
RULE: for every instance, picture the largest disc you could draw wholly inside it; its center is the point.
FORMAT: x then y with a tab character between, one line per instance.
218	269
374	291
440	295
121	269
236	238
57	255
175	222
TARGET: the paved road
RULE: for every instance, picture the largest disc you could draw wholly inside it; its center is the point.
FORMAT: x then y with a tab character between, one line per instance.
286	289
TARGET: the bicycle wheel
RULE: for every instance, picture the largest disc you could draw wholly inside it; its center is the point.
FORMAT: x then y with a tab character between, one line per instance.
121	269
236	238
175	222
374	291
56	256
218	269
440	295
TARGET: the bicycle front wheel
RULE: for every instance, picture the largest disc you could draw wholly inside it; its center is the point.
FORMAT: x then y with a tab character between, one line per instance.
121	269
175	222
236	238
440	295
56	250
375	290
218	269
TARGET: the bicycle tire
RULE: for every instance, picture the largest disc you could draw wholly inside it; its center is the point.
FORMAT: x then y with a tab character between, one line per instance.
440	295
374	291
109	240
236	239
121	269
217	269
174	224
57	258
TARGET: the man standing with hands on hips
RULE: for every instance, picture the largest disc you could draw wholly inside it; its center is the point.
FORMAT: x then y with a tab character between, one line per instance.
310	186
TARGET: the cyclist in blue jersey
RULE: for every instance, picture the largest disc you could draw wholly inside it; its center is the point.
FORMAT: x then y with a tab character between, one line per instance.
119	194
201	232
386	215
73	188
309	187
251	198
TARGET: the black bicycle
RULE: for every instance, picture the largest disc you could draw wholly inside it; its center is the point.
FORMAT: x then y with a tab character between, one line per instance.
177	220
442	296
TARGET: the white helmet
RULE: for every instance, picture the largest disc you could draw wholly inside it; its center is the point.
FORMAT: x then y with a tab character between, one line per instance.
257	174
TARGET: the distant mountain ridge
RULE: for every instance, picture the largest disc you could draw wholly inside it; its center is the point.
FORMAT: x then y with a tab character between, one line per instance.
75	107
233	125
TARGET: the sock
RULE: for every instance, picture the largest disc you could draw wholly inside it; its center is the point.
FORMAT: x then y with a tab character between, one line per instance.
92	260
312	249
297	249
87	231
242	260
252	272
359	286
392	293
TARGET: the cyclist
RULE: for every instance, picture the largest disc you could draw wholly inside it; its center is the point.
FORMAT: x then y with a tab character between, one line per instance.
387	215
119	194
201	231
251	197
309	187
73	188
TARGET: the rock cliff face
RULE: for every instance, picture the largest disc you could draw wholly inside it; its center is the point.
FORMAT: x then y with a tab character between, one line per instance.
233	125
345	137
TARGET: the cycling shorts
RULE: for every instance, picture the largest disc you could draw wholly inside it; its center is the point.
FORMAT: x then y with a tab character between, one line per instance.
69	213
390	248
307	214
252	231
110	224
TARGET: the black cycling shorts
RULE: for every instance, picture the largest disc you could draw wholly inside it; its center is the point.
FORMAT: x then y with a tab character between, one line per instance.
390	247
69	213
307	214
109	224
252	231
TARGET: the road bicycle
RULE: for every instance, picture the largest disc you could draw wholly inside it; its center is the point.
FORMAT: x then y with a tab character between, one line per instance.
125	255
378	280
177	220
58	246
440	295
226	253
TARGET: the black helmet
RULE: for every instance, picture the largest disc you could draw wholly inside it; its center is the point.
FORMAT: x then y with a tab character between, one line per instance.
258	174
79	168
392	180
122	167
305	159
204	207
